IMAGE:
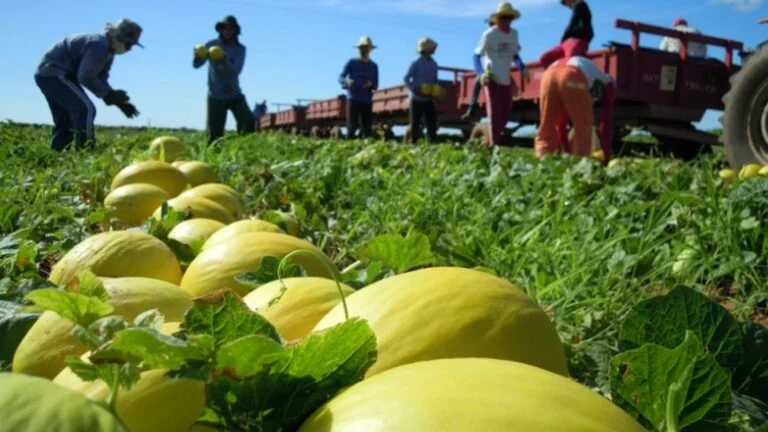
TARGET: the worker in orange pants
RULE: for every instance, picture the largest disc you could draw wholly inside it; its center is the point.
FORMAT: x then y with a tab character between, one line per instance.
568	90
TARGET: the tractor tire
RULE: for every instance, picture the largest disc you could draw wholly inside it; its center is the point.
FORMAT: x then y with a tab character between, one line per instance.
745	119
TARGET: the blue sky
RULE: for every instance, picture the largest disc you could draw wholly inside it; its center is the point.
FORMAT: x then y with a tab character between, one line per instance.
296	48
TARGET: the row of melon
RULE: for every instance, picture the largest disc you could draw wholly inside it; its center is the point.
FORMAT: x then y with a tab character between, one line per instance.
747	171
453	345
449	340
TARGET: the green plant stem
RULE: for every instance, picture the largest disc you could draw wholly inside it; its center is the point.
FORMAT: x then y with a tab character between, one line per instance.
313	254
115	385
671	417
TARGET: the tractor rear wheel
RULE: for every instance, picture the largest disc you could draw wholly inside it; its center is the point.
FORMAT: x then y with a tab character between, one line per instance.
745	120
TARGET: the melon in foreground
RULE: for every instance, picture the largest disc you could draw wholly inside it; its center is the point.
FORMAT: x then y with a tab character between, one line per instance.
136	202
219	193
31	404
119	254
155	403
198	207
469	394
193	230
239	228
49	341
198	173
174	148
160	174
446	312
305	301
216	267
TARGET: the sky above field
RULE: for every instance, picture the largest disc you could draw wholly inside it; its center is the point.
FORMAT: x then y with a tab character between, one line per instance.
296	48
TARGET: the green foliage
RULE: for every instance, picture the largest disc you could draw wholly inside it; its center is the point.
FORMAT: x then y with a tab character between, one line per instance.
587	242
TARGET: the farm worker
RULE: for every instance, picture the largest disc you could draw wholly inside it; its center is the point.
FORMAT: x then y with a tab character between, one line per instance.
84	60
499	47
360	77
695	49
473	106
258	111
421	80
568	90
577	36
224	92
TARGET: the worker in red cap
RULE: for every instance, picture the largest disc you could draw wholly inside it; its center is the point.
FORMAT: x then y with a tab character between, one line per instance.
670	44
569	88
577	36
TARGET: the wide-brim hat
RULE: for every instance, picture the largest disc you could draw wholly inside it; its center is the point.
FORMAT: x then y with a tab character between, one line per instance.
126	31
679	21
228	20
365	41
426	44
505	10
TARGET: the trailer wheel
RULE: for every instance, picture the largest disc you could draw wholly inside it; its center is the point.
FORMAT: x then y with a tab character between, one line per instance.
745	120
407	134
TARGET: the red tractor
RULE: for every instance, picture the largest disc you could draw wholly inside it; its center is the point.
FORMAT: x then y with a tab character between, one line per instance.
745	120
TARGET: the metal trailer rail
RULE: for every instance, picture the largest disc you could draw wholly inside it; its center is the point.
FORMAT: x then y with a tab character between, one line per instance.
661	92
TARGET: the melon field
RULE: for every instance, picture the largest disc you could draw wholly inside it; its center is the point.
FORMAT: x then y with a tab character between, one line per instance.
280	283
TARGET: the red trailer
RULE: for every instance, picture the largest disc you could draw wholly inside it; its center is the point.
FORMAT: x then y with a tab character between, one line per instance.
661	92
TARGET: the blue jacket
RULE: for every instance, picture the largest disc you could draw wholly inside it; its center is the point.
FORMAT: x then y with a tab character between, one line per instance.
422	70
83	58
224	78
360	71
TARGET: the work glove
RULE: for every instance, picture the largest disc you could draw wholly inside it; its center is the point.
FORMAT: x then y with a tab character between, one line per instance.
349	83
128	109
116	97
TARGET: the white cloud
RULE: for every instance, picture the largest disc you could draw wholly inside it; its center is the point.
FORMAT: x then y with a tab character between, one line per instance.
741	5
445	8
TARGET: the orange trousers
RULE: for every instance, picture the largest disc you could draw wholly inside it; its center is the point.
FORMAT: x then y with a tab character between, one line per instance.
565	94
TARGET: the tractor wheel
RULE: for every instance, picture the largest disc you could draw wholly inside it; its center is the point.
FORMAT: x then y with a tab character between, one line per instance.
745	120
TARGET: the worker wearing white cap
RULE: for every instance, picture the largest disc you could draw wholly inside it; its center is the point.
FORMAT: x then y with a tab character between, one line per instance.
84	60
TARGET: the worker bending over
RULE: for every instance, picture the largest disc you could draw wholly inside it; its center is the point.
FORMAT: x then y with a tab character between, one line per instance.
577	36
568	90
695	49
499	46
361	78
421	80
78	61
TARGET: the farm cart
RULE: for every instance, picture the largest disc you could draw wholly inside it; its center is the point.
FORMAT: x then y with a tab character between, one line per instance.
661	92
391	106
745	120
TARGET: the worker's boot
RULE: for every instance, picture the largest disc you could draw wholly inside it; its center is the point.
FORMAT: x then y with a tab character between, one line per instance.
471	112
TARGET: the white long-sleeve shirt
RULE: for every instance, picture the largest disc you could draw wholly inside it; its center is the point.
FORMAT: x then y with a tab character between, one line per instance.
695	49
590	70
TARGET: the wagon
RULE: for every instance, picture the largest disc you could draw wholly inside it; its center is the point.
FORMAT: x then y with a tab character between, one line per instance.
661	92
325	118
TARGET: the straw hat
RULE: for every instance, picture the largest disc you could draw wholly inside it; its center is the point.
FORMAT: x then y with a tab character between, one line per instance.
365	41
505	9
426	45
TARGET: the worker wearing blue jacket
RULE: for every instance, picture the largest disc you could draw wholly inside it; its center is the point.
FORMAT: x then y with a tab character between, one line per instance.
84	60
421	80
360	77
224	93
